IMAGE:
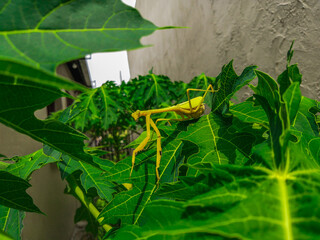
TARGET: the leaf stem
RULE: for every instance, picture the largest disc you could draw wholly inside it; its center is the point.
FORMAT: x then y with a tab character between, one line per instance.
82	197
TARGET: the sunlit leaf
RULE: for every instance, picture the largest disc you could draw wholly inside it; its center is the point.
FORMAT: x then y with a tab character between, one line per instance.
91	177
250	113
5	236
11	221
128	205
219	142
228	84
25	165
46	34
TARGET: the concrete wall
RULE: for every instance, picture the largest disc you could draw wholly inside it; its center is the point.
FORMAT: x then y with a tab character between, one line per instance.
257	32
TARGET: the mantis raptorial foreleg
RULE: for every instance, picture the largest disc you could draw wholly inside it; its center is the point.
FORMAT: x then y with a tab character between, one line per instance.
159	149
142	144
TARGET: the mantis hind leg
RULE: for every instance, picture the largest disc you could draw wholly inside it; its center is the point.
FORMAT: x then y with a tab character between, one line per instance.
204	95
142	144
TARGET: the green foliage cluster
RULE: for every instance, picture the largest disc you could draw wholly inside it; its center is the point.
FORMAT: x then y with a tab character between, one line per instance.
104	113
244	171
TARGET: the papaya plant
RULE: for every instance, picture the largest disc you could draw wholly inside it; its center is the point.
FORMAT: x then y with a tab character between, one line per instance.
244	171
35	38
250	170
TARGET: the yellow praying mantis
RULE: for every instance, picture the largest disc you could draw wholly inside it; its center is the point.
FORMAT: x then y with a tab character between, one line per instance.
191	109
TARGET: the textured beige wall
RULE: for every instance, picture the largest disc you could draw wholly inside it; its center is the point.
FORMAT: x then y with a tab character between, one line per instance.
248	31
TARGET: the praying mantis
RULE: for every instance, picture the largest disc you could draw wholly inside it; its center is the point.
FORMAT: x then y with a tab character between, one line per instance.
191	109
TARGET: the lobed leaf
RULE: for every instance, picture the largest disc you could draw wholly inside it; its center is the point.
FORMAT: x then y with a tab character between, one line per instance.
219	141
248	112
233	209
26	165
13	195
228	83
11	221
128	205
19	99
67	29
91	177
5	236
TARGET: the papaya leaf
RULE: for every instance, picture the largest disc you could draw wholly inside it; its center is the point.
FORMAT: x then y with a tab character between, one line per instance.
9	68
292	99
46	34
289	76
91	177
228	83
250	113
150	91
306	117
11	221
268	96
268	89
26	165
233	209
97	106
201	82
128	205
219	142
10	218
19	99
13	195
187	187
5	236
314	146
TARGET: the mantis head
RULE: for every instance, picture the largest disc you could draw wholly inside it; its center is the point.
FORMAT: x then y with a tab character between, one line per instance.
136	115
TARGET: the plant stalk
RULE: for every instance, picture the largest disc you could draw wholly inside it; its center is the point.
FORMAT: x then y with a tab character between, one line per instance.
93	210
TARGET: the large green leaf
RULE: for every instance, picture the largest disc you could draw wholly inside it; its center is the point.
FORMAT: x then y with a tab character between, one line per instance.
26	165
12	193
268	89
219	141
10	218
240	185
292	99
149	91
228	83
10	68
128	205
241	203
98	108
19	99
11	221
46	34
250	113
37	35
5	236
289	76
91	177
